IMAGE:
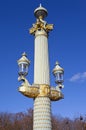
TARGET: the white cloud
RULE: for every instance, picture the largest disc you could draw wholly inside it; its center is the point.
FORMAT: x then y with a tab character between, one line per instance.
78	77
84	75
75	77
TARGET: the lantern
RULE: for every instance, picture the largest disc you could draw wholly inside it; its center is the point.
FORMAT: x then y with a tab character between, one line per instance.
23	64
58	73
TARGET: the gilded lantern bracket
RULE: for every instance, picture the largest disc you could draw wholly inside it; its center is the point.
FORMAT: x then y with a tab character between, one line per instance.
26	89
55	95
25	81
41	90
33	91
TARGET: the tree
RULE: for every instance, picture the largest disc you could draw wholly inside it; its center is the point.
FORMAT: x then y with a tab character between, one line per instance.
24	121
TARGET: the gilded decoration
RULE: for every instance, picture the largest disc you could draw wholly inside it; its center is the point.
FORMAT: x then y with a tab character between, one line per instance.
56	95
39	25
41	90
44	90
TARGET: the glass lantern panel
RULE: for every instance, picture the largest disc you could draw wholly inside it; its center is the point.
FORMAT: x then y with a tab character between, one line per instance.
23	69
59	77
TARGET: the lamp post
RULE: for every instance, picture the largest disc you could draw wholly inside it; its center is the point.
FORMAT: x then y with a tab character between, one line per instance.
41	90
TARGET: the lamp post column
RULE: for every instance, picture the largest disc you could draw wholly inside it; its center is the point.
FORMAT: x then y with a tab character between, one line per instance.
42	103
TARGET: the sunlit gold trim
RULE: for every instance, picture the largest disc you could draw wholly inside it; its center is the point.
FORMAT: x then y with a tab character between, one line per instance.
41	33
56	95
30	92
38	90
44	90
39	25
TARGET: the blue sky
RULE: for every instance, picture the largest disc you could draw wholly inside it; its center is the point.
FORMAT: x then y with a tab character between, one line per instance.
67	44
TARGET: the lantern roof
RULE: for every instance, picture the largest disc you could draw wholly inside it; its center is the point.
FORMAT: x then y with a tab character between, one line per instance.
23	59
58	68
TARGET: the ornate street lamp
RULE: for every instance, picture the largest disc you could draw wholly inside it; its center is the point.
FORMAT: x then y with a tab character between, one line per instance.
41	90
58	73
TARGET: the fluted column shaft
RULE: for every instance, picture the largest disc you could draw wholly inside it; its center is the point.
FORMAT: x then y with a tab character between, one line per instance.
41	65
42	104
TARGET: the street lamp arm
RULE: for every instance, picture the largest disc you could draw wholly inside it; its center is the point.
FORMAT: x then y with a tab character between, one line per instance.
56	94
59	87
33	91
25	81
26	89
